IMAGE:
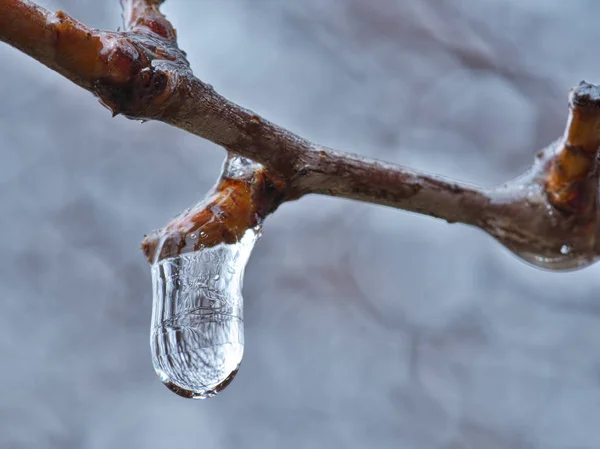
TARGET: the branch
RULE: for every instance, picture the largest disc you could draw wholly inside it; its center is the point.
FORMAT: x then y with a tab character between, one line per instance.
245	193
548	216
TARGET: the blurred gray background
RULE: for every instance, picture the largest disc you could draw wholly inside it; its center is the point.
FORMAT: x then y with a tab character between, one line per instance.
365	326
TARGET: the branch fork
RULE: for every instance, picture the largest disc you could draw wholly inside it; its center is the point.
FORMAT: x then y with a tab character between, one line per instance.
548	216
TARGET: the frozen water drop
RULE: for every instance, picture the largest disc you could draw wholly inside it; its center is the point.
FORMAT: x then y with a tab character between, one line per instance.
197	336
193	236
565	250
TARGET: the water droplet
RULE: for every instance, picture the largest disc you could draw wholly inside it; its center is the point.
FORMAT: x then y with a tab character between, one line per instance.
217	277
258	229
565	249
202	234
142	121
197	337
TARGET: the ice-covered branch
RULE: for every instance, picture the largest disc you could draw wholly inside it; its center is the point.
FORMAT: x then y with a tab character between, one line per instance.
548	216
245	193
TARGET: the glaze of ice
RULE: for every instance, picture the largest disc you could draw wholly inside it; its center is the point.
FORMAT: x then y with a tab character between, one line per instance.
197	337
238	166
567	260
529	187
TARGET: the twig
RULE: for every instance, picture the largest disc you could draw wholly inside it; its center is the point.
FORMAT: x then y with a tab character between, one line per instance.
245	193
548	216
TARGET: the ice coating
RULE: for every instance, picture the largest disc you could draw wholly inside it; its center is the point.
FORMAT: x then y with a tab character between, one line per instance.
574	252
197	337
567	260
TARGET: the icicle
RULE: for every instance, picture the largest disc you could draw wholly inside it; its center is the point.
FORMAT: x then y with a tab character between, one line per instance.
198	262
197	318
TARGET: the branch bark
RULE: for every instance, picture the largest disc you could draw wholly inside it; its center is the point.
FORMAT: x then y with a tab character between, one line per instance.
548	216
244	195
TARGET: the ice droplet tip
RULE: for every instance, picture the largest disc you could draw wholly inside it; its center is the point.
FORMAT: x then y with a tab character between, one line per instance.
200	394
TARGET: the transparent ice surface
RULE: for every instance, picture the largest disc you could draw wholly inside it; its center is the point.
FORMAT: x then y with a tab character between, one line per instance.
197	336
567	260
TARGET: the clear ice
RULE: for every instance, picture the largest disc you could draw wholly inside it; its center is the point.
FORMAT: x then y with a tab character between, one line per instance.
566	261
197	337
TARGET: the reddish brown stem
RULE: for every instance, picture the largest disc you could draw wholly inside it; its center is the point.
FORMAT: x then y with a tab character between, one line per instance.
573	179
56	40
143	16
243	196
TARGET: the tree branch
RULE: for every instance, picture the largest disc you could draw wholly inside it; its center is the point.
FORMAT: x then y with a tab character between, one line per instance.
548	216
245	193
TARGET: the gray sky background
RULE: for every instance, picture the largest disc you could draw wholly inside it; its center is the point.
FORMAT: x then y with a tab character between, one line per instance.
365	326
